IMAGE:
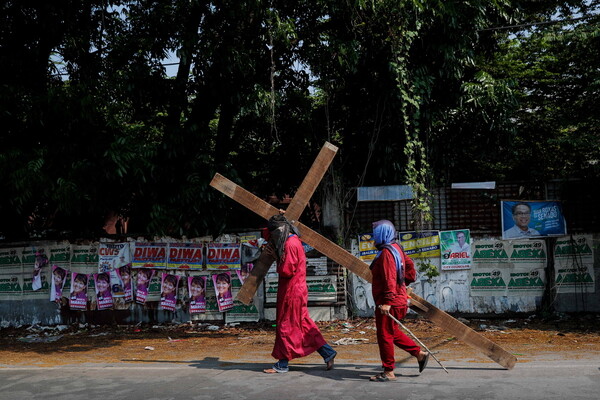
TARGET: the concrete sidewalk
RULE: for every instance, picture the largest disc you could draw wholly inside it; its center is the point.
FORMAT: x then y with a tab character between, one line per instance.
211	378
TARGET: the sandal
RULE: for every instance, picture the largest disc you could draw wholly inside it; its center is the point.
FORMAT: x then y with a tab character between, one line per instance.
381	378
423	363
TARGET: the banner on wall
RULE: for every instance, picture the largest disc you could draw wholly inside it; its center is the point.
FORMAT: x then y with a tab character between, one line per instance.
149	255
185	255
574	264
223	256
525	219
425	244
126	280
456	249
366	247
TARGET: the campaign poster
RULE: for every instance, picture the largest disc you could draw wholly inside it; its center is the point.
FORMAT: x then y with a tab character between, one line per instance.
243	272
525	219
241	312
124	274
35	274
223	256
320	288
149	255
528	275
425	244
366	247
197	294
456	249
143	278
169	284
41	261
574	264
103	290
78	293
112	256
59	277
223	290
185	256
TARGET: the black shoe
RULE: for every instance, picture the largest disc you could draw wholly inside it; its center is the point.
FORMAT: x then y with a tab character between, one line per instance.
423	363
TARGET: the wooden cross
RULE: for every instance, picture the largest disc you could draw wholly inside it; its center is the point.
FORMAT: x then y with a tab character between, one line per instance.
340	255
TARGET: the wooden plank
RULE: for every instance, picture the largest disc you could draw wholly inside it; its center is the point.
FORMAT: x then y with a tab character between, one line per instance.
244	197
463	332
334	252
311	182
255	278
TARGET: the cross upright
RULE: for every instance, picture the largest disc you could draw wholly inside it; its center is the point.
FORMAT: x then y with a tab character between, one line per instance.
340	255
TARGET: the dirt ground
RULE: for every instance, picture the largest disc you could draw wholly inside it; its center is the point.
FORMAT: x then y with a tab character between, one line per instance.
355	340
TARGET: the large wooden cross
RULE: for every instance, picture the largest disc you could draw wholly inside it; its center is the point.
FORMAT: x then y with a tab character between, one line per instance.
340	255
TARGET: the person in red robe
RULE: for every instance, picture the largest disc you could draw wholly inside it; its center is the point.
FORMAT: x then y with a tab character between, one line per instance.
297	335
391	270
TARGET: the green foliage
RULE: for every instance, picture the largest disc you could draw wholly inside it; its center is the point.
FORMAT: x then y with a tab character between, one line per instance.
413	92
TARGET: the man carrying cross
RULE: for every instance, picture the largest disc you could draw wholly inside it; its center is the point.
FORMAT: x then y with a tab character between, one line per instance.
297	335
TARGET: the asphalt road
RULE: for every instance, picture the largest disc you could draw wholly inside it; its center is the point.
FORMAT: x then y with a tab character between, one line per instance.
546	377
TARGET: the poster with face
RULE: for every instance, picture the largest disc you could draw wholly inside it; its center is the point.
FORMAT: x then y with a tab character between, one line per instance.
144	276
525	219
41	260
59	276
168	291
197	293
222	283
244	271
78	294
103	291
124	275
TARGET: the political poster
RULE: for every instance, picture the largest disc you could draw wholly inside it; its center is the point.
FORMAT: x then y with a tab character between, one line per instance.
197	293
223	290
168	291
424	244
142	285
185	256
455	249
104	299
59	277
111	257
223	256
503	268
34	281
574	264
78	292
525	219
366	247
149	255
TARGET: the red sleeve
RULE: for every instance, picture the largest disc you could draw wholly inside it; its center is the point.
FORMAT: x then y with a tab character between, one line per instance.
389	291
410	274
287	267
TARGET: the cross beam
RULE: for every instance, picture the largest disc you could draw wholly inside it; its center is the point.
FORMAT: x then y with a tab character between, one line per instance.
340	255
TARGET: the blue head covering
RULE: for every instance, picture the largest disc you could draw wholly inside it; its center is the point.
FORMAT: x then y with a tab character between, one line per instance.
384	235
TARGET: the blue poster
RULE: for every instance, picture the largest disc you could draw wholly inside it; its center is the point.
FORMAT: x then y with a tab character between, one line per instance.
524	219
